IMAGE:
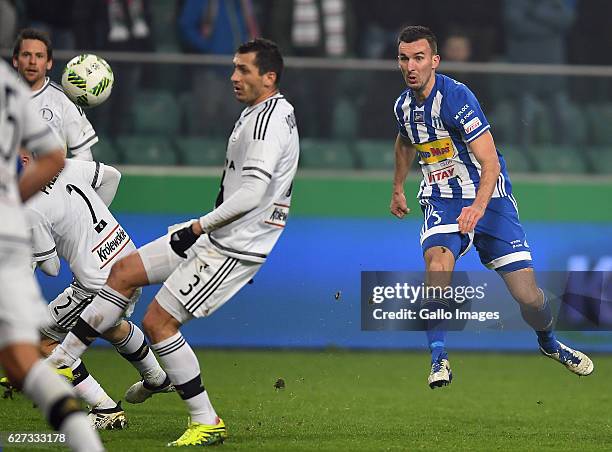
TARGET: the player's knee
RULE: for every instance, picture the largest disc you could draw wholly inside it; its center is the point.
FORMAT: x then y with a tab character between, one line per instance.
439	259
436	266
119	277
530	299
440	265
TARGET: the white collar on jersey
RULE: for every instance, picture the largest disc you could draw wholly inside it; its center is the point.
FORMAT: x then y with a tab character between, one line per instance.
249	110
44	87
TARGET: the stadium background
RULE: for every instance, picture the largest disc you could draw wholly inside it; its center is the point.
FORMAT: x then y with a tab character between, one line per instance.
301	314
170	150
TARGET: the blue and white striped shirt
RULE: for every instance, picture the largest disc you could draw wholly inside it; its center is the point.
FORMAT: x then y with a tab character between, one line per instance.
440	129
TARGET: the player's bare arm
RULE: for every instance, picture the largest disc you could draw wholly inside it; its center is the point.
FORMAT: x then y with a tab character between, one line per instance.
483	149
35	176
404	155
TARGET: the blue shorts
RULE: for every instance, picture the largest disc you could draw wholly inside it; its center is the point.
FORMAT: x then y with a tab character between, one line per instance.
498	237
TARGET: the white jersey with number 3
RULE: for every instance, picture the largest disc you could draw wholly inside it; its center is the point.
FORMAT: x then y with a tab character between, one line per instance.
66	119
69	219
263	144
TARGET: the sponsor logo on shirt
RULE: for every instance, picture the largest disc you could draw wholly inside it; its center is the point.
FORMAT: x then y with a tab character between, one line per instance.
278	215
111	245
436	151
461	111
440	175
472	125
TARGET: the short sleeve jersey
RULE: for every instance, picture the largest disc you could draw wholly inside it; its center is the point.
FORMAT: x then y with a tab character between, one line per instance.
20	126
440	129
264	144
68	218
66	119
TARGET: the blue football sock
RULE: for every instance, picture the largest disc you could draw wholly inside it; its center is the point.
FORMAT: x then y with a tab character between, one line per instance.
437	344
547	341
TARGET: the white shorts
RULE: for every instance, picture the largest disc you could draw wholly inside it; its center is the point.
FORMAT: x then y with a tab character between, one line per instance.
22	309
198	285
68	306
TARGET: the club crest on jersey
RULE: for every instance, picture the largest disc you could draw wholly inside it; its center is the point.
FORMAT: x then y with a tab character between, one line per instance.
46	114
111	245
418	116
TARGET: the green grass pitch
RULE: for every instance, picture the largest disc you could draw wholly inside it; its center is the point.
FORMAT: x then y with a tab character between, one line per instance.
364	401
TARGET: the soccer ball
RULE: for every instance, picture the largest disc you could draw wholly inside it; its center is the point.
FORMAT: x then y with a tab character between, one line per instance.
87	80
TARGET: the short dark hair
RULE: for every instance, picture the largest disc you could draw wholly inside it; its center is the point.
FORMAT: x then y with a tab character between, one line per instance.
32	33
267	56
415	32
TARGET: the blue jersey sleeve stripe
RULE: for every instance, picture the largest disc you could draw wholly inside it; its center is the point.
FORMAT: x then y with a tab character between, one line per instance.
399	114
473	137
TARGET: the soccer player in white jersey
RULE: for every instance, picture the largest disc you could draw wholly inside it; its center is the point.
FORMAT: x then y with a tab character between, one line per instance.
33	57
466	197
204	262
69	218
22	311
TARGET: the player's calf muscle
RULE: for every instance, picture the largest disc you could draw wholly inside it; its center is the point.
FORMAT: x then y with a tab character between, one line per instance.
17	360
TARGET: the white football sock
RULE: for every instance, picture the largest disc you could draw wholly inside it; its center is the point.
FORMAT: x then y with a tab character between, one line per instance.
55	399
136	351
87	388
181	365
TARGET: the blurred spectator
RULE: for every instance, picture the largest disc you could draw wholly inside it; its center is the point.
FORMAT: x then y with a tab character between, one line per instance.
126	20
479	19
54	18
536	32
313	28
457	47
8	22
214	27
378	27
589	42
116	25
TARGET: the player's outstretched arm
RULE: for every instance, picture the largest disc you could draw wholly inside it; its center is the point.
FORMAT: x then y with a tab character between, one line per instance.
483	149
109	184
404	155
39	172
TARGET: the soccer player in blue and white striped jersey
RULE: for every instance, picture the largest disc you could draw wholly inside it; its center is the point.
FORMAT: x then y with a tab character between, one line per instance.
466	196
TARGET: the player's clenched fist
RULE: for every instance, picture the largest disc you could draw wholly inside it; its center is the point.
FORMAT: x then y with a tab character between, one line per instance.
399	207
